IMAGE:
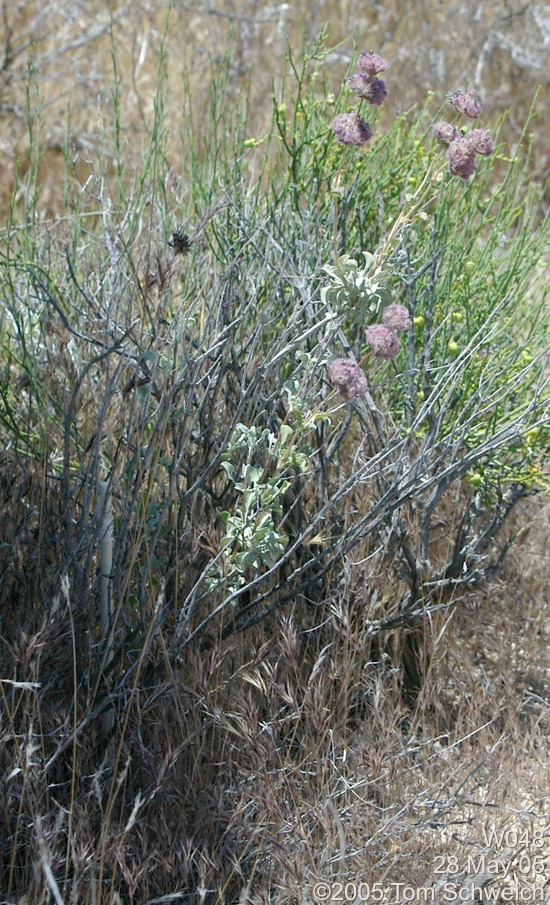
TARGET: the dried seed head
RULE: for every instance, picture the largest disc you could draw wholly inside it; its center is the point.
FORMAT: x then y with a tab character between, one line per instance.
346	374
382	341
180	242
350	129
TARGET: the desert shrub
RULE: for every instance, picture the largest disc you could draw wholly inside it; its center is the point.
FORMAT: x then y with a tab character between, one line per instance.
194	352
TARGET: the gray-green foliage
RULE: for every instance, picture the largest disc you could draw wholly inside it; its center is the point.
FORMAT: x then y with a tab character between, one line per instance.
198	387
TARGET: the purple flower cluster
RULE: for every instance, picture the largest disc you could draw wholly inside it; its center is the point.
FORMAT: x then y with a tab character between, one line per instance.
397	317
382	338
346	374
350	128
382	341
466	102
482	141
445	132
461	156
372	63
463	148
368	89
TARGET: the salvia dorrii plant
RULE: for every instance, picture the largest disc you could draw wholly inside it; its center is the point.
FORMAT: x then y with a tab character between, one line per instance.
447	394
391	329
450	437
462	149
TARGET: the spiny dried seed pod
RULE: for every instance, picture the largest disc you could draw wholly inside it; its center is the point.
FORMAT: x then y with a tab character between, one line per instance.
180	242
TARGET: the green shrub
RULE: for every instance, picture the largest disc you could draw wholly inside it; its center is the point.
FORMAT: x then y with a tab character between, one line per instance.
174	335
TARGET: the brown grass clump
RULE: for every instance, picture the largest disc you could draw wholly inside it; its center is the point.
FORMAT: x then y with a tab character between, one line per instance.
257	766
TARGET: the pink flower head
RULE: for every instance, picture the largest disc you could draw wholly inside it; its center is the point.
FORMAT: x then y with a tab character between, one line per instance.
445	132
466	102
382	341
372	90
346	374
396	317
350	129
372	62
481	141
461	156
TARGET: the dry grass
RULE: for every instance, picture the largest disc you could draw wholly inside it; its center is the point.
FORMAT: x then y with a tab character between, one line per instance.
256	766
500	47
